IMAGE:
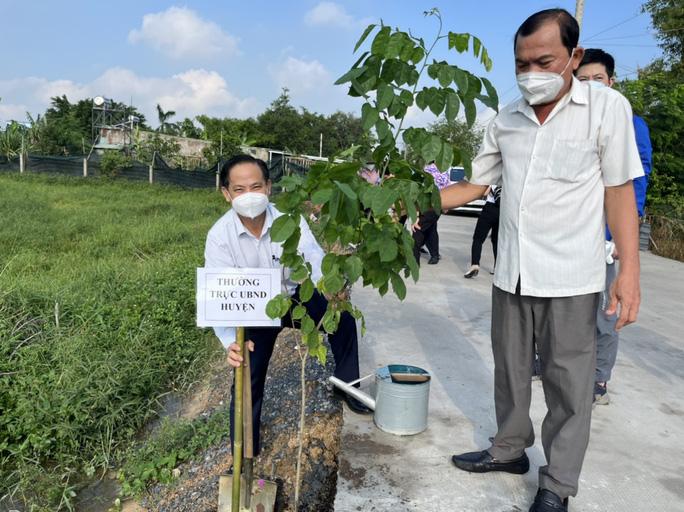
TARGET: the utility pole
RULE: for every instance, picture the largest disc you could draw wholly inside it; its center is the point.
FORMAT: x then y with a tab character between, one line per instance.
579	12
320	146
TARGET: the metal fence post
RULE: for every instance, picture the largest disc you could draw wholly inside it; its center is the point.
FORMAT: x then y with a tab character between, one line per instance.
21	163
151	173
217	174
85	167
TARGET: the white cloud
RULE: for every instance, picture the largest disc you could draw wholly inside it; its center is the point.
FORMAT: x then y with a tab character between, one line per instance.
193	92
301	75
180	33
331	14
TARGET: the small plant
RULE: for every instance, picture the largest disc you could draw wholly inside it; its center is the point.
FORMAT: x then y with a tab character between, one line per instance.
175	442
359	224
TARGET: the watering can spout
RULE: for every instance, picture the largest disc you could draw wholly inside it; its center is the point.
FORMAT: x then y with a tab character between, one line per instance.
355	392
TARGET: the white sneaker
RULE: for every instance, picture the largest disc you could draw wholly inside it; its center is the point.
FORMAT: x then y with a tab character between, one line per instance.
472	271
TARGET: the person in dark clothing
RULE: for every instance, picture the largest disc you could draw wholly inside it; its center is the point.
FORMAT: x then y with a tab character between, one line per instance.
425	231
488	220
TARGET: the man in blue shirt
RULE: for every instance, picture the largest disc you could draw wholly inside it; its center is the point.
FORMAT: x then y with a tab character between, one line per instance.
597	69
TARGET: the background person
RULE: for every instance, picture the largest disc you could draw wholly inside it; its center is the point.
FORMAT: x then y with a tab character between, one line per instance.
425	230
486	222
598	70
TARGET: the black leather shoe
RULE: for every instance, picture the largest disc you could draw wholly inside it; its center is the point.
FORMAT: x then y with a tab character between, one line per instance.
434	260
547	501
483	462
353	404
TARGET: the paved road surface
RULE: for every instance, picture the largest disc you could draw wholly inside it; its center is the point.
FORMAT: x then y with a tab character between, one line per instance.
635	461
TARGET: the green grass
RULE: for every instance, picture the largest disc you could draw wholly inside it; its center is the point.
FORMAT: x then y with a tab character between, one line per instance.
97	320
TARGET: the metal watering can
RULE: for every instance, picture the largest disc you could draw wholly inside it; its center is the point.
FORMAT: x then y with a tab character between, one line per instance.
401	398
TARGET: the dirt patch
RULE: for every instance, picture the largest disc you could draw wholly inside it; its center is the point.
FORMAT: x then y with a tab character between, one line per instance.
197	488
364	443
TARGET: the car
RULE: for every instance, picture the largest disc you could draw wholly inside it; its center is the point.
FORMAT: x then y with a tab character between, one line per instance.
457	174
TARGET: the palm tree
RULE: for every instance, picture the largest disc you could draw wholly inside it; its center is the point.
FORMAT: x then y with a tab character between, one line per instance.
164	125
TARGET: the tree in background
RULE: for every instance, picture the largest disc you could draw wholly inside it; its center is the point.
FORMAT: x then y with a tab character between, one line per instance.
187	128
657	94
164	125
281	126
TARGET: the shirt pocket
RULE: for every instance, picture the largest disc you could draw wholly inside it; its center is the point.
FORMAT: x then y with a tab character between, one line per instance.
572	160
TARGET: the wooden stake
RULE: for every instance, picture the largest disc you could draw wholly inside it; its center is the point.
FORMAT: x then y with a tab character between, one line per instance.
238	425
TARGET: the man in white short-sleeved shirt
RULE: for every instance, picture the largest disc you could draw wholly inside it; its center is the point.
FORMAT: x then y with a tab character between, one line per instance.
564	154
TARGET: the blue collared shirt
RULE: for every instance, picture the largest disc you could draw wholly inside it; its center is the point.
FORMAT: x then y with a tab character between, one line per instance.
230	244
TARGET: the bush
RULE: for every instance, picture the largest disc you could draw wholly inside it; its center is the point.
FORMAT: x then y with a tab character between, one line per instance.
112	162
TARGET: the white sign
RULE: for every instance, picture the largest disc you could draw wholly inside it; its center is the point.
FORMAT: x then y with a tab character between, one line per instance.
236	297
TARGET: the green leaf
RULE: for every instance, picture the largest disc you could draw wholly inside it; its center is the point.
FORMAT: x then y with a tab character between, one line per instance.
380	42
328	263
382	127
363	37
445	157
333	283
461	79
446	75
458	41
385	96
321	196
406	98
470	110
328	322
299	273
369	116
431	148
436	101
491	92
298	312
485	60
351	74
417	55
282	228
306	290
347	190
422	99
394	45
308	325
388	250
383	200
353	266
452	106
398	285
433	70
273	307
477	46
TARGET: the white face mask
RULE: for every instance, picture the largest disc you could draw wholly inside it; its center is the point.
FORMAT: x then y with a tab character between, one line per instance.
595	84
539	87
250	204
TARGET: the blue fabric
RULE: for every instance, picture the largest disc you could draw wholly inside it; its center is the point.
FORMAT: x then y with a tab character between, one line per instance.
643	141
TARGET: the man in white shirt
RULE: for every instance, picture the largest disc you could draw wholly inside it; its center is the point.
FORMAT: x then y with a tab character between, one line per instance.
564	154
241	238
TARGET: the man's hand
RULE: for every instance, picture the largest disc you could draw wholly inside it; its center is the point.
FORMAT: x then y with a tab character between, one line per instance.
625	291
415	226
234	357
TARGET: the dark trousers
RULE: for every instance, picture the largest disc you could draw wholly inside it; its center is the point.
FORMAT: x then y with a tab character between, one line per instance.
427	234
488	220
344	345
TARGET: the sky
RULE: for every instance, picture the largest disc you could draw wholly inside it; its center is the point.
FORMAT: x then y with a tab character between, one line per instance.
232	58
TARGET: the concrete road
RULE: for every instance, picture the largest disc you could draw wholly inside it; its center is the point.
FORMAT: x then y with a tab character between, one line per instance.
635	461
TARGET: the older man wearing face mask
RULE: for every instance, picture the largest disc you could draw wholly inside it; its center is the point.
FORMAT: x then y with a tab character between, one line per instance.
564	154
241	238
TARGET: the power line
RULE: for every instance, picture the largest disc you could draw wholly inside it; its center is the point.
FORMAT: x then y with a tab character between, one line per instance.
613	26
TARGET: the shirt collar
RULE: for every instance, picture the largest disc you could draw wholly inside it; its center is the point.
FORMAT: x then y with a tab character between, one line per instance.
240	228
578	93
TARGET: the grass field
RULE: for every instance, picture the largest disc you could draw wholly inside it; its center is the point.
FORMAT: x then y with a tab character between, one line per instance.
97	320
